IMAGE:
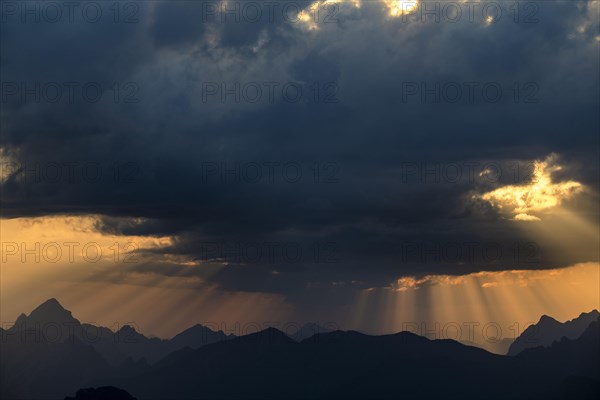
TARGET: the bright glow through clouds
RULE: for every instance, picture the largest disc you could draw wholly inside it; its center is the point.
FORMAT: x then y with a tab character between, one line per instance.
285	206
540	194
317	10
400	7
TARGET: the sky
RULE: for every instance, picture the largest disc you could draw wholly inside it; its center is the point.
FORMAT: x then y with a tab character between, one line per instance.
363	164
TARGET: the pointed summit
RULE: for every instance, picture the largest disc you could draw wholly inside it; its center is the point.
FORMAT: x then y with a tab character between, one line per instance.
21	319
197	336
547	319
50	312
50	305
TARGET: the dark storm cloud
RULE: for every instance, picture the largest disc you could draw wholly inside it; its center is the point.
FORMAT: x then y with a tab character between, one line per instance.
340	168
178	24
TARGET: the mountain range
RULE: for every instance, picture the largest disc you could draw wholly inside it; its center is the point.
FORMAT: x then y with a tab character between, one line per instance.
58	325
50	355
549	330
270	365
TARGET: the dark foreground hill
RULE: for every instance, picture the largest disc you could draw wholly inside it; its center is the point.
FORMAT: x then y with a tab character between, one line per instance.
102	393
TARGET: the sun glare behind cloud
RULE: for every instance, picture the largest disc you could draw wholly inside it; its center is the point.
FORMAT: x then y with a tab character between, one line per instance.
505	302
311	16
400	7
540	194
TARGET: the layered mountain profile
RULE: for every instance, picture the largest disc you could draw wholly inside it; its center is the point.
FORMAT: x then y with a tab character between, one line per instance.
49	354
197	336
49	312
52	323
271	364
549	330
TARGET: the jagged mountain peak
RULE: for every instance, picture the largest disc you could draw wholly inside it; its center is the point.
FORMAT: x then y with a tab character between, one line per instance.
49	312
549	330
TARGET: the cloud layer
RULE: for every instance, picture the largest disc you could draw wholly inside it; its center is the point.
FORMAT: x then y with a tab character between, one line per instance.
359	136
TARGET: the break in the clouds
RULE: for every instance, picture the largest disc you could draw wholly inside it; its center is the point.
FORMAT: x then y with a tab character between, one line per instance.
371	138
538	195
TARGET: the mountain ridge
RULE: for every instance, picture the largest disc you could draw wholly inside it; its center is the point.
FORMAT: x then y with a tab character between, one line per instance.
269	363
50	321
548	330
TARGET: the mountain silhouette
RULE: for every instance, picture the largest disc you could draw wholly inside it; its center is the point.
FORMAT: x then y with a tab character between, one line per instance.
49	353
353	365
307	330
549	330
54	323
197	336
570	366
50	312
40	369
497	347
272	365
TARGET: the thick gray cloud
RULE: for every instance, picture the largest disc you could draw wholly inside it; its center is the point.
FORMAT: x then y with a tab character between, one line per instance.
338	169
